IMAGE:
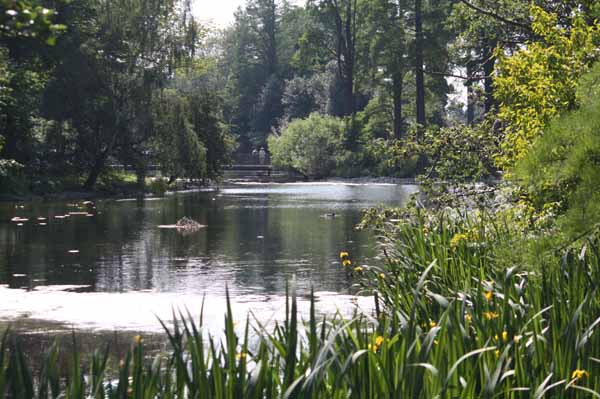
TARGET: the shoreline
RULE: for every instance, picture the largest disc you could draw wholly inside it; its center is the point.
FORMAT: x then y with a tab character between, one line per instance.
74	195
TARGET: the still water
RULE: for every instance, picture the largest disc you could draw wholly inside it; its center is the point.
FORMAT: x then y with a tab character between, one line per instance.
108	266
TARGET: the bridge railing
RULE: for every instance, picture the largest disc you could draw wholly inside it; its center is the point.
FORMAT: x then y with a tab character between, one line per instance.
250	159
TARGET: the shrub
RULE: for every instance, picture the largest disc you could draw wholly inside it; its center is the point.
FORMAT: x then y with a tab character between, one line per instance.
562	169
12	180
460	153
539	81
309	146
158	186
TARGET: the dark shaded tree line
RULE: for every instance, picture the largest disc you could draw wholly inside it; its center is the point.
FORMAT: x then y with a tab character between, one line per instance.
113	81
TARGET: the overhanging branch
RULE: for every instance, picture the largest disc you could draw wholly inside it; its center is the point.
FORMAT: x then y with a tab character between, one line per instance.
496	16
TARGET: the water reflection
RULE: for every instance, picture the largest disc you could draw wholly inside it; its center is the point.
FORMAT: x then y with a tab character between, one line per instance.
257	236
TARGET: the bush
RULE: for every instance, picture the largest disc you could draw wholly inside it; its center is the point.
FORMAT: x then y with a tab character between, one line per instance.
12	180
158	186
309	146
461	153
539	81
562	169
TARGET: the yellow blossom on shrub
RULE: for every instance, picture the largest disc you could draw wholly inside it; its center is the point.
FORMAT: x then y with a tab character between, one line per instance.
488	295
346	262
343	255
358	269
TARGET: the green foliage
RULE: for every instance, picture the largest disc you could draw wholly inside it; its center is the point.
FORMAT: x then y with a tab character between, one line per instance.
460	153
561	171
5	77
158	186
111	65
11	177
28	18
539	81
449	278
376	120
205	113
177	145
309	146
382	158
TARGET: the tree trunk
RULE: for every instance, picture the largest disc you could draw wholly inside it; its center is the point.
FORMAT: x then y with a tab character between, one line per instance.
397	86
470	94
419	76
348	88
345	50
271	27
488	83
97	168
140	172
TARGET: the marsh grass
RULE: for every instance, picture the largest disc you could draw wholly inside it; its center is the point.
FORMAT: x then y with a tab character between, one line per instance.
452	321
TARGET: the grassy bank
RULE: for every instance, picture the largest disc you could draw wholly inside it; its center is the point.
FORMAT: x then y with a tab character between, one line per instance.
110	184
463	310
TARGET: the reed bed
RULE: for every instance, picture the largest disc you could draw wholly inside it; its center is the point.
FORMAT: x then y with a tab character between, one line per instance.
456	317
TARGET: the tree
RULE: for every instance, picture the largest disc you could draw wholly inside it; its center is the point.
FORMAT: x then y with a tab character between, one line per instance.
309	146
176	144
538	82
29	19
479	32
113	63
262	31
387	41
419	66
561	169
205	113
340	22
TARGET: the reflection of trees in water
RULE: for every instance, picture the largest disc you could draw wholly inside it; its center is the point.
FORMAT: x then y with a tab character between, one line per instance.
228	250
41	252
122	249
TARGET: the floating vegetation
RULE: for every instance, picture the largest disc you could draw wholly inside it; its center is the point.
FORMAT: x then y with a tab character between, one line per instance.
184	224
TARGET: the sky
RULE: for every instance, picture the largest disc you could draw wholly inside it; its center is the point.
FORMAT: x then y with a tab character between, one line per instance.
218	11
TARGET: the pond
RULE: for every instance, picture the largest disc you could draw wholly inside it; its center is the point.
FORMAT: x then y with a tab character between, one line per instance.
107	266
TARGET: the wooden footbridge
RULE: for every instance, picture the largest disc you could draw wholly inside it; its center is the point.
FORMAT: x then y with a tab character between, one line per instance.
259	169
248	167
